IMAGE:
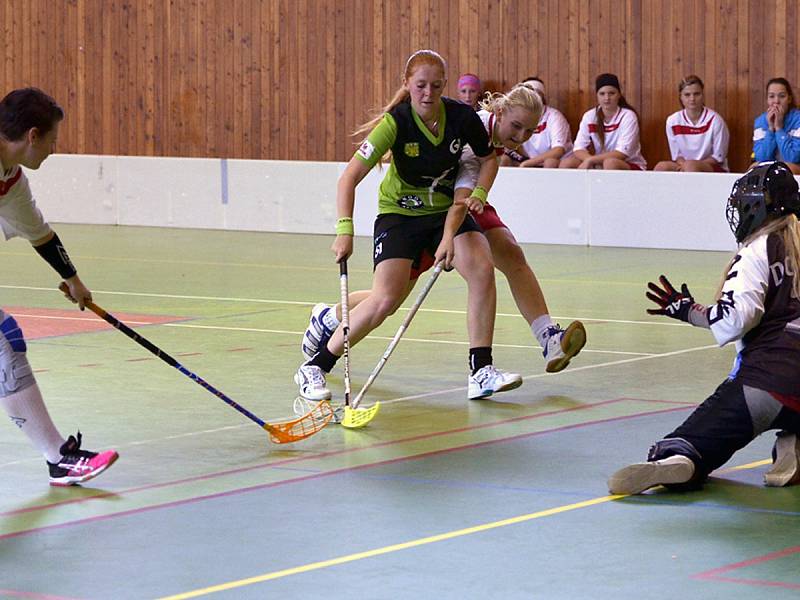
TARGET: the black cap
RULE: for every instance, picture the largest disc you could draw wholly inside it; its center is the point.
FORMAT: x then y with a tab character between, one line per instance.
606	79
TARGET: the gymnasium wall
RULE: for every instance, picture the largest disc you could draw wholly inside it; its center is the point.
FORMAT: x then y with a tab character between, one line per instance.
289	79
551	206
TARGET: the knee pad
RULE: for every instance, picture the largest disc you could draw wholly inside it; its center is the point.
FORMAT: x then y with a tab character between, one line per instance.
15	371
671	447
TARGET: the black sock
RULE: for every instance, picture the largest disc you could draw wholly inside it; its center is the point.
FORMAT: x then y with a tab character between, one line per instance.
324	359
479	358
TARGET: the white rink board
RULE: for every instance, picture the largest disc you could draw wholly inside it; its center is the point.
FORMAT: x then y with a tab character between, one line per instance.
549	206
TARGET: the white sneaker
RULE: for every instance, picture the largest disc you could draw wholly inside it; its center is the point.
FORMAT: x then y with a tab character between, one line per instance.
488	380
562	345
636	478
312	384
786	461
321	325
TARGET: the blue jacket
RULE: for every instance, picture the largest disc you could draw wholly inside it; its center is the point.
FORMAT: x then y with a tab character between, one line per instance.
783	144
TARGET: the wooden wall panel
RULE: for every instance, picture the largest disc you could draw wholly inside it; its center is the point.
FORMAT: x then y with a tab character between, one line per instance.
290	79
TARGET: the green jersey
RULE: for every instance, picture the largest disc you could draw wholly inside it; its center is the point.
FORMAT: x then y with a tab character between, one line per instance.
421	175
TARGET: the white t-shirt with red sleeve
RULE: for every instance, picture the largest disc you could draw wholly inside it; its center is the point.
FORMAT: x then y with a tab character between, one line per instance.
707	137
552	131
621	134
19	216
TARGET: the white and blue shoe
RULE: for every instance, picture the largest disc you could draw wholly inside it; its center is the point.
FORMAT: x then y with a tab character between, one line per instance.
312	384
489	380
321	325
563	345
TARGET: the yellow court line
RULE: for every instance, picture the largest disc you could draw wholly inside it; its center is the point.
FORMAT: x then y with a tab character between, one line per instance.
388	549
418	542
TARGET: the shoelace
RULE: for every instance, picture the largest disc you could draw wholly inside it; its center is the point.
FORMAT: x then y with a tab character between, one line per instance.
314	375
486	374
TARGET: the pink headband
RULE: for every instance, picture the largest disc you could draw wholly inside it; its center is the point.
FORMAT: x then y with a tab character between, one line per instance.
469	78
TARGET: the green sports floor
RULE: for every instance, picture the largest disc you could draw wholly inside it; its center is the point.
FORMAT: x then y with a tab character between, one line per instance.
438	497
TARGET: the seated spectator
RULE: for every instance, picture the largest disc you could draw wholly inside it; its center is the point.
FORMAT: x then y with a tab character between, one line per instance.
551	139
776	134
698	137
469	89
611	129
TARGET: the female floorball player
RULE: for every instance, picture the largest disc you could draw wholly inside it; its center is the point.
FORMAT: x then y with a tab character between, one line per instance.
509	120
611	129
29	121
426	134
758	306
697	136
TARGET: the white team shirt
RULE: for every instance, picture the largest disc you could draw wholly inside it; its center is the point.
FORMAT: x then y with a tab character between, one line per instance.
621	134
708	137
469	166
19	216
552	131
743	297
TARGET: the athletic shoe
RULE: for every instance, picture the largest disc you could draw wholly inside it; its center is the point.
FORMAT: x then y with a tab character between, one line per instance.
312	384
76	465
321	325
785	461
636	478
489	380
562	345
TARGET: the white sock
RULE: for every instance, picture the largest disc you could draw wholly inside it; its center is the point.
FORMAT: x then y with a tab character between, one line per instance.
28	412
539	328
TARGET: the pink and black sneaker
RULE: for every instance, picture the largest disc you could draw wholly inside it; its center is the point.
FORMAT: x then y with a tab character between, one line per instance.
76	465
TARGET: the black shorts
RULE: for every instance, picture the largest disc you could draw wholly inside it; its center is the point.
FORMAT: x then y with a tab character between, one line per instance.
401	236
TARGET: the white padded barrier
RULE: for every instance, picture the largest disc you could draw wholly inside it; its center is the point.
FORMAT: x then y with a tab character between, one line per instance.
549	206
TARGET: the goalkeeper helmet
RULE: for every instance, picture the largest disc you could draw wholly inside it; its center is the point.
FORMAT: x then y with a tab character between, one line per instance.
768	189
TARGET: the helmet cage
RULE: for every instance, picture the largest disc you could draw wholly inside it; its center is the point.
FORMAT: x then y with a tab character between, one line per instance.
767	189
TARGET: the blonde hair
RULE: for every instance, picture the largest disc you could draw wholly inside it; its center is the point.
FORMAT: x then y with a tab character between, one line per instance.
789	228
419	58
521	95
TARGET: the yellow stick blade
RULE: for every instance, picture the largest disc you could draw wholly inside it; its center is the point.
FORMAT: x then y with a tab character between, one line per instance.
359	417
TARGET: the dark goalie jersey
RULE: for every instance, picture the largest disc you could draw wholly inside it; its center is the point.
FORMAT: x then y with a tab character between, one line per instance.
757	311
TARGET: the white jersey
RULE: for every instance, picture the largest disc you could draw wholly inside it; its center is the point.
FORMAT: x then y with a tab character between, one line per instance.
708	137
552	131
19	216
468	165
621	134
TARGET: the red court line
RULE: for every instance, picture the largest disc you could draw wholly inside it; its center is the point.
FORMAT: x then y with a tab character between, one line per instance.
303	478
287	461
715	574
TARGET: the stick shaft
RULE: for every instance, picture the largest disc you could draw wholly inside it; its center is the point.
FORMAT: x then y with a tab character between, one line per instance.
345	327
117	324
406	322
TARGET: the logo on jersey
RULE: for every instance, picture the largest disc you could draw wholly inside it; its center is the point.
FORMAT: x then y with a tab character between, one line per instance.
365	150
411	149
455	146
410	202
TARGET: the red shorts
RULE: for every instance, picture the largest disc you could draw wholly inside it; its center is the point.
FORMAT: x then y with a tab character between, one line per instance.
488	219
634	167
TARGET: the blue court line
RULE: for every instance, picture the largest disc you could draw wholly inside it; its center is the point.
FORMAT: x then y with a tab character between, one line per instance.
223	166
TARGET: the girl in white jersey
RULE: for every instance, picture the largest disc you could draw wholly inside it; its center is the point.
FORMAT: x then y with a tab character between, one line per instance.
29	121
758	307
550	142
611	129
698	137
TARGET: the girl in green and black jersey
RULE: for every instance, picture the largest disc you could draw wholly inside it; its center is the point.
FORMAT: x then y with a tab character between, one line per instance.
426	134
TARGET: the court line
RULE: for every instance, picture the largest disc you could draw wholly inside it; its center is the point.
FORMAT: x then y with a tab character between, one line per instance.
716	574
300	333
316	475
389	549
658	323
439	538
